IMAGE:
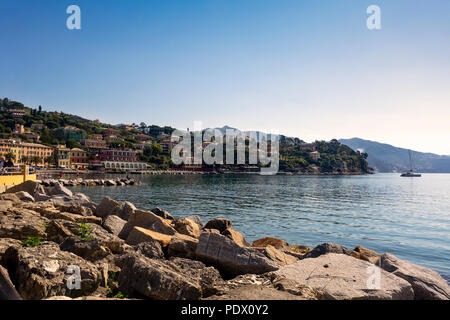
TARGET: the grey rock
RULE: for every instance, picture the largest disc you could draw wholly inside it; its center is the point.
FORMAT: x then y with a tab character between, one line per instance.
127	210
426	283
40	272
226	255
108	207
155	279
90	250
21	223
342	277
113	224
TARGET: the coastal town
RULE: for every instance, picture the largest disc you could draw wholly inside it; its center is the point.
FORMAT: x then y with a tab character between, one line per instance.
69	143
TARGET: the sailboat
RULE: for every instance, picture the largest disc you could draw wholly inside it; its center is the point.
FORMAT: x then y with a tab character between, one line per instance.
410	172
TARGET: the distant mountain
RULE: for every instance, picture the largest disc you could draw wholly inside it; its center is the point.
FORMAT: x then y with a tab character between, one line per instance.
387	158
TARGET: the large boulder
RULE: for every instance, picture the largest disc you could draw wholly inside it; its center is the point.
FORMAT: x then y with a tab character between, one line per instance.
108	207
426	283
42	271
139	235
147	220
231	258
220	224
113	224
156	279
7	289
27	186
342	277
21	224
326	248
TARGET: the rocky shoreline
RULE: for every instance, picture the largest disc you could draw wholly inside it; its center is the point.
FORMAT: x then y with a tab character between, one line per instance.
89	182
52	240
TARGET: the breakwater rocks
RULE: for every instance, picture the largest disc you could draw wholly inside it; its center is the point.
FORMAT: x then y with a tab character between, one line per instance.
89	182
59	245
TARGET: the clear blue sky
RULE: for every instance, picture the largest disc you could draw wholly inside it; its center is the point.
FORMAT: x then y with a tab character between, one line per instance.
309	69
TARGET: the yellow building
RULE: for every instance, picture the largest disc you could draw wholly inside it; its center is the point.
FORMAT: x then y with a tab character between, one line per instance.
62	156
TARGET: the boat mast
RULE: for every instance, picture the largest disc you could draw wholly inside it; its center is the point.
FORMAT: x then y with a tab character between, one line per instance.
410	161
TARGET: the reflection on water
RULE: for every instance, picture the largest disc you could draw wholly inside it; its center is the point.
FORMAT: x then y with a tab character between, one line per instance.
405	216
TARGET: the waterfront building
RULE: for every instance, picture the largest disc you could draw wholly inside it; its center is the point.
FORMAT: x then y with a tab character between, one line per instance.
62	156
78	159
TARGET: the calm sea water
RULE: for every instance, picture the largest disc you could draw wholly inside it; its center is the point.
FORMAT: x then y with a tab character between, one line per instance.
409	217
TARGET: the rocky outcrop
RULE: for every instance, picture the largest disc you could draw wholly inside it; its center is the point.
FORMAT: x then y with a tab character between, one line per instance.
426	283
231	258
42	271
342	277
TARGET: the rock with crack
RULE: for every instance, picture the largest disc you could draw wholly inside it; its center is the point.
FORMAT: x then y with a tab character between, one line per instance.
231	258
343	277
24	196
5	243
42	271
113	224
156	279
426	283
150	249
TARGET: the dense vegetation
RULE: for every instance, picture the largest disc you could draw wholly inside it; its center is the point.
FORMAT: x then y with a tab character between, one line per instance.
295	154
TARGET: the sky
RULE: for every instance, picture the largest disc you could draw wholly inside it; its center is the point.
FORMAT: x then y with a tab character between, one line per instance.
307	69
